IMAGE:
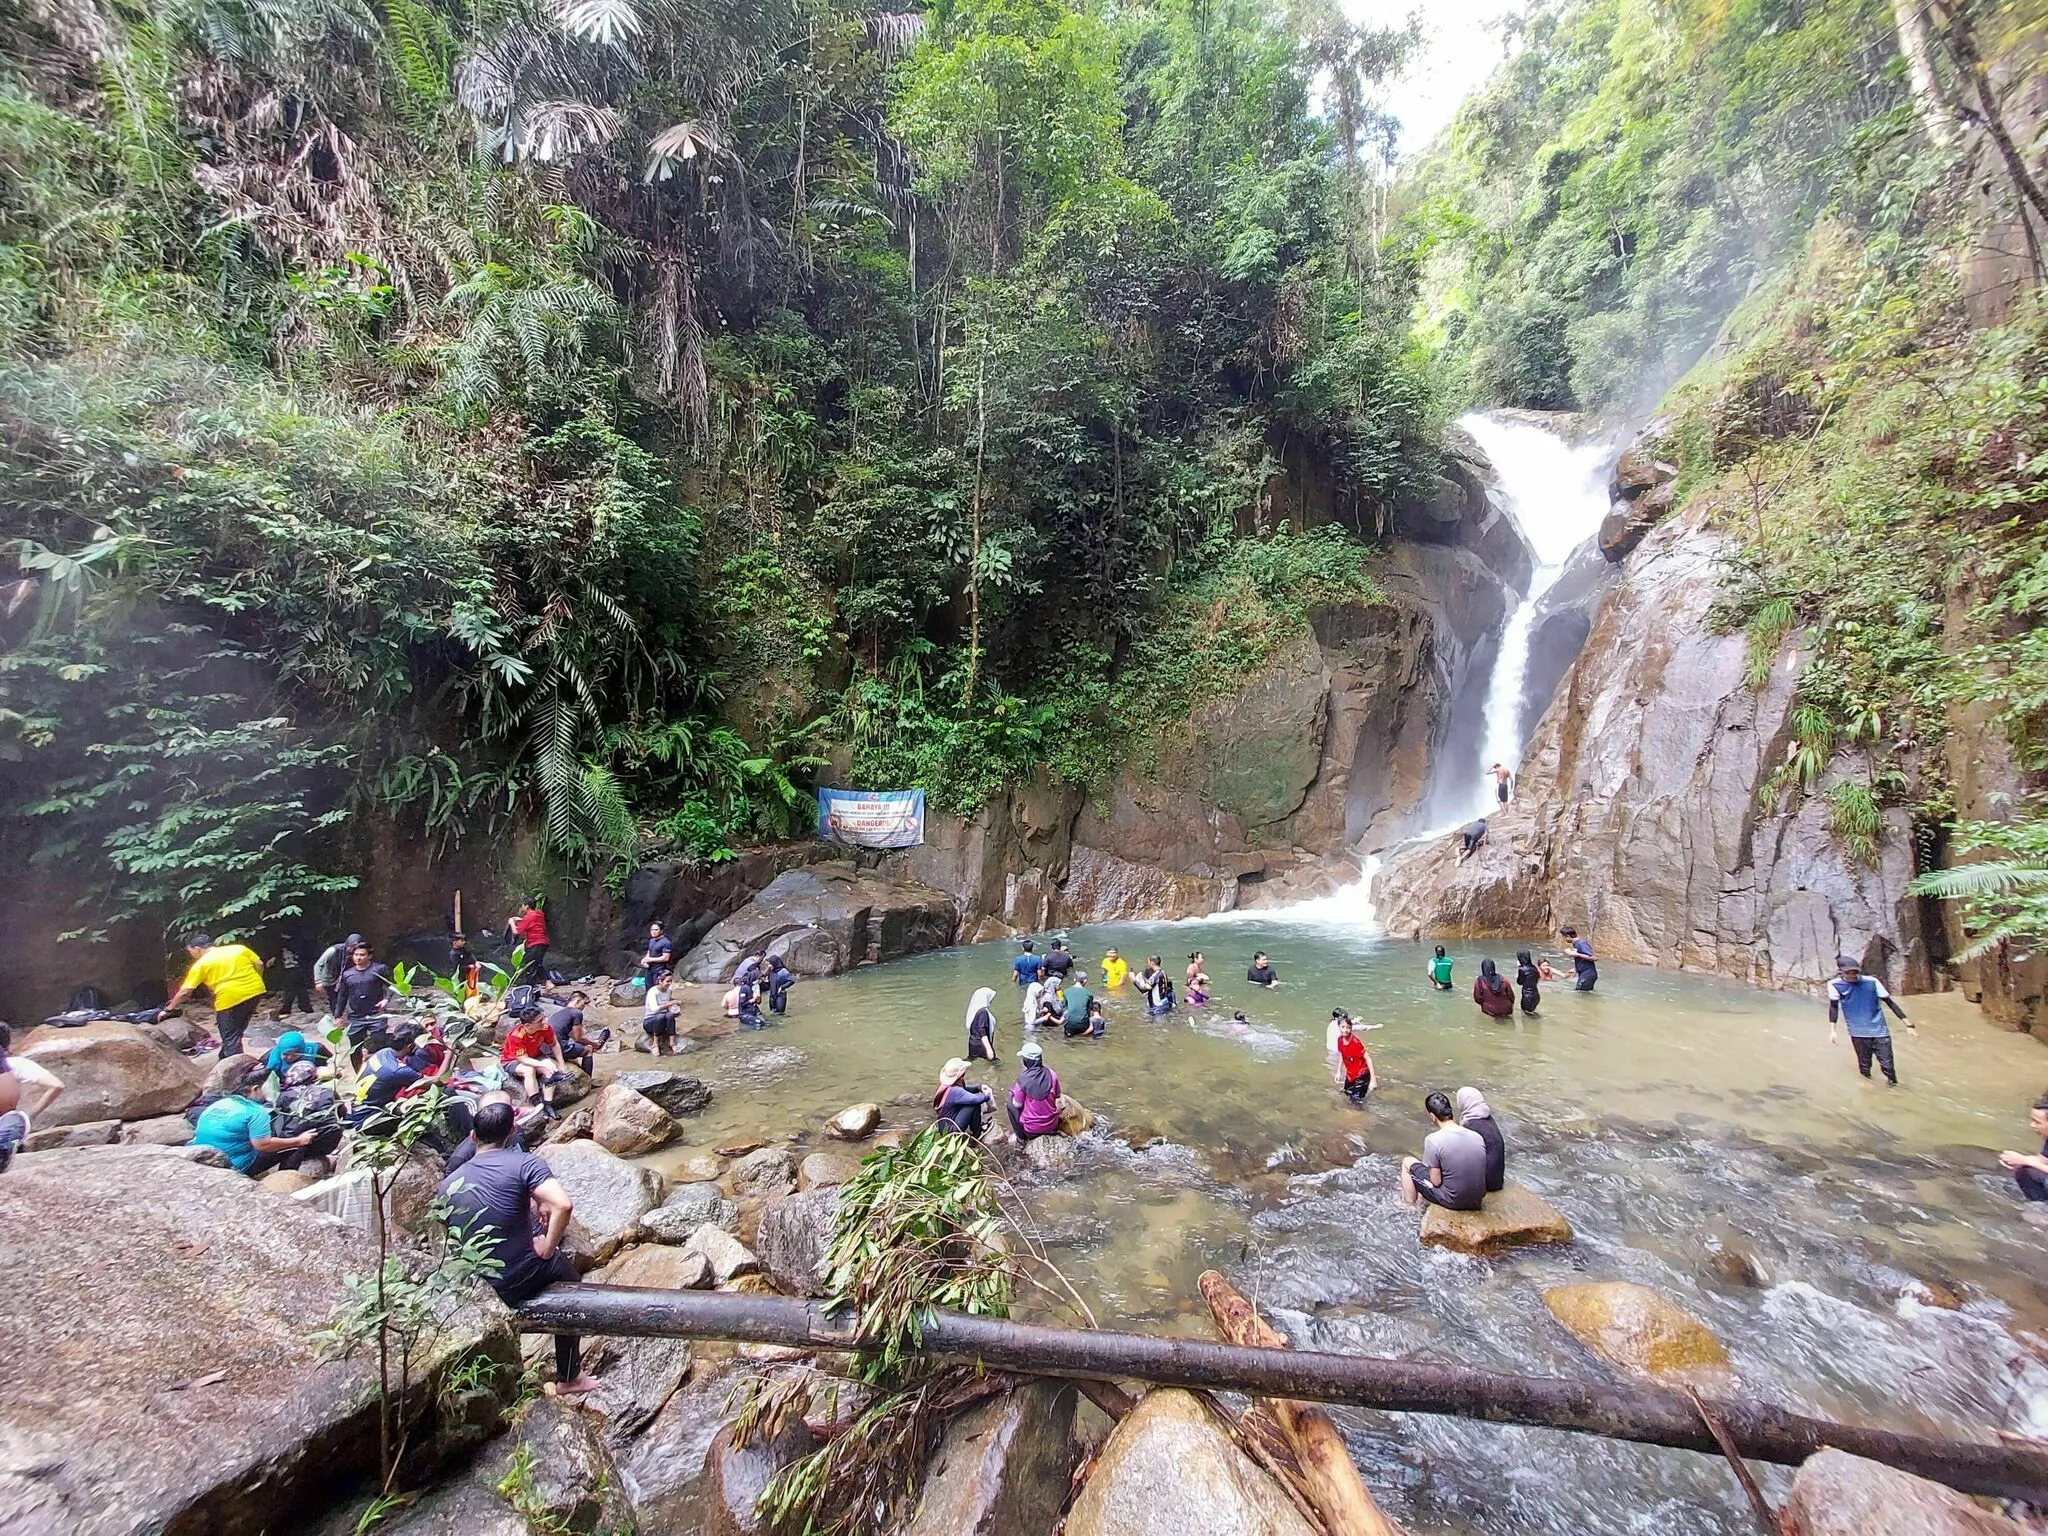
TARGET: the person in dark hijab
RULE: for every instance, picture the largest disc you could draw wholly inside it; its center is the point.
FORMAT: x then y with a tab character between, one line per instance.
1526	977
1496	999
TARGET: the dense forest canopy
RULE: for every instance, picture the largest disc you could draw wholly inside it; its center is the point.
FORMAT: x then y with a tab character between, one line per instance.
602	414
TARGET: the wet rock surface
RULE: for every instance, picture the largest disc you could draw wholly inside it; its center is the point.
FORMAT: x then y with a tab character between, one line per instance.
1169	1469
675	1093
794	1236
1642	1331
1836	1494
1002	1467
734	1476
1511	1218
824	920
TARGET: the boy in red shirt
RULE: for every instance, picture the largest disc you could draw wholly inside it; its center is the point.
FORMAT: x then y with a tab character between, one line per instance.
534	1056
1356	1064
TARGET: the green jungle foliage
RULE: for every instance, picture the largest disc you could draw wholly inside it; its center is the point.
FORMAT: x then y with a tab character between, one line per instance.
593	414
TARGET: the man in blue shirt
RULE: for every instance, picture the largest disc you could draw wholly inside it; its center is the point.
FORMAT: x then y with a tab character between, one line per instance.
1585	974
1027	967
1860	1001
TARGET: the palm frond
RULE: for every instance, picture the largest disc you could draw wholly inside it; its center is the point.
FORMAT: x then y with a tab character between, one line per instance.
608	23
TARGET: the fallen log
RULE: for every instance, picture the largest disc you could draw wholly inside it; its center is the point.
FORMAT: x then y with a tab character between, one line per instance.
1651	1415
1329	1477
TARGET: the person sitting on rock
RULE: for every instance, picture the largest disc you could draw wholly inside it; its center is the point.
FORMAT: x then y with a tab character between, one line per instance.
1035	1097
1471	835
1452	1170
293	1045
26	1089
233	973
1496	999
961	1108
1474	1115
658	1020
524	1129
304	1103
463	964
493	1200
573	1035
237	1125
2030	1171
534	1058
779	980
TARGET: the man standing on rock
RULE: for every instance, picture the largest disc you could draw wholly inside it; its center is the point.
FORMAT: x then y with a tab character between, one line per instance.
1452	1171
1860	1001
494	1199
528	926
234	974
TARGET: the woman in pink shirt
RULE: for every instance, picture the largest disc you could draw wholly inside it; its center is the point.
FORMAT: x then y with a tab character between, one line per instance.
1035	1098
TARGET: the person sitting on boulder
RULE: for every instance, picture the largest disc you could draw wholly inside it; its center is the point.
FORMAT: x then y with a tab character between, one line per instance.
1471	835
532	1055
1452	1170
2030	1171
493	1199
658	1020
524	1129
237	1125
26	1089
304	1103
1474	1115
233	973
463	964
1035	1098
1496	999
780	979
573	1035
961	1108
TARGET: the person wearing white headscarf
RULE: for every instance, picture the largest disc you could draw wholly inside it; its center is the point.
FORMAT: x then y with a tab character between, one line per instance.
1476	1117
1034	1004
981	1026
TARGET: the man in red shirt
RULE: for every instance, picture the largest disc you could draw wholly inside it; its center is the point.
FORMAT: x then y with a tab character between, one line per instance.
530	928
1351	1055
534	1056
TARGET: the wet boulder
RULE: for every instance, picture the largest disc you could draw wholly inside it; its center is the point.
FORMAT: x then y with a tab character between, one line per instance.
688	1207
550	1475
665	1462
635	1378
675	1093
856	1121
1076	1118
1170	1469
734	1476
610	1194
826	919
629	1123
1001	1468
246	1424
1050	1154
1642	1331
1511	1218
763	1173
111	1071
1836	1494
704	1168
795	1235
825	1170
573	1087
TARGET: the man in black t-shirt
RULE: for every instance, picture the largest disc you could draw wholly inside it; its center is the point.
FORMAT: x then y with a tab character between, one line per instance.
359	993
1262	973
660	955
1057	961
576	1042
496	1196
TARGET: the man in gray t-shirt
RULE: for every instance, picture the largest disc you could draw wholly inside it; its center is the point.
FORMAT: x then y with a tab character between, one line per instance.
1452	1170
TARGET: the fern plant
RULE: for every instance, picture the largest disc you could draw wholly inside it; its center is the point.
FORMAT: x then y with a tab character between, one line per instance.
2001	900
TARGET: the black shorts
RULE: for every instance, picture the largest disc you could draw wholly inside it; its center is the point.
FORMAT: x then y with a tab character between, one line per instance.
1433	1194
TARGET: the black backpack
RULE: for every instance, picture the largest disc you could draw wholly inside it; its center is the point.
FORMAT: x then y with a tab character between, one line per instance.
519	999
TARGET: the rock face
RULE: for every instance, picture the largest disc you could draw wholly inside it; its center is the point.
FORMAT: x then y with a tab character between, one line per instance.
1511	1218
611	1196
1643	1331
130	1236
1169	1470
1637	819
1836	1494
112	1071
629	1123
824	920
795	1235
1002	1468
676	1094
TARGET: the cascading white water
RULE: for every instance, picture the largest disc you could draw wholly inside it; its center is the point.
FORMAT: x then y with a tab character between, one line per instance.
1556	492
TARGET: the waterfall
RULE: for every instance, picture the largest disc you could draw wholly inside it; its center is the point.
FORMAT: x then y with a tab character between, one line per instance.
1557	494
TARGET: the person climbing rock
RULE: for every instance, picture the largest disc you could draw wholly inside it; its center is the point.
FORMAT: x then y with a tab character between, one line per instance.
2030	1171
1859	1001
233	973
959	1107
1496	999
1527	977
1352	1059
1261	973
1477	1117
1440	970
529	926
1452	1169
1472	834
1501	778
981	1026
1035	1097
1585	973
1115	972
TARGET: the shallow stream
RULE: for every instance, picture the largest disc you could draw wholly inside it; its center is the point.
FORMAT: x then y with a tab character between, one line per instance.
1702	1137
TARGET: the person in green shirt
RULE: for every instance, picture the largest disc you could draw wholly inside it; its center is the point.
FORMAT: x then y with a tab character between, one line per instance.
1440	970
1078	998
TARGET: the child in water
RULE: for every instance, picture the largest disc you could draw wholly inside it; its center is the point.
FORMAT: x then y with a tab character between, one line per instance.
1352	1060
1440	970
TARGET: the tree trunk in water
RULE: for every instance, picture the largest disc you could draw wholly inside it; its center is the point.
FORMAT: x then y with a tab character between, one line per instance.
1328	1475
1936	116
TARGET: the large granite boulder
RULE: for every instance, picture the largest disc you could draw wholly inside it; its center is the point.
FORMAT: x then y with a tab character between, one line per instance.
1836	1494
1511	1218
824	920
162	1131
552	1474
675	1093
825	1170
763	1172
1169	1469
1001	1468
724	1255
1643	1331
734	1476
657	1267
688	1207
795	1234
610	1195
226	1419
628	1123
112	1071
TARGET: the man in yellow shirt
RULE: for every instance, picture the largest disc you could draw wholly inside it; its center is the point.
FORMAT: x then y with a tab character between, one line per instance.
234	974
1114	970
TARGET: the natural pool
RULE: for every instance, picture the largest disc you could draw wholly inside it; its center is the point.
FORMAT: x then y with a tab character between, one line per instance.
1676	1120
